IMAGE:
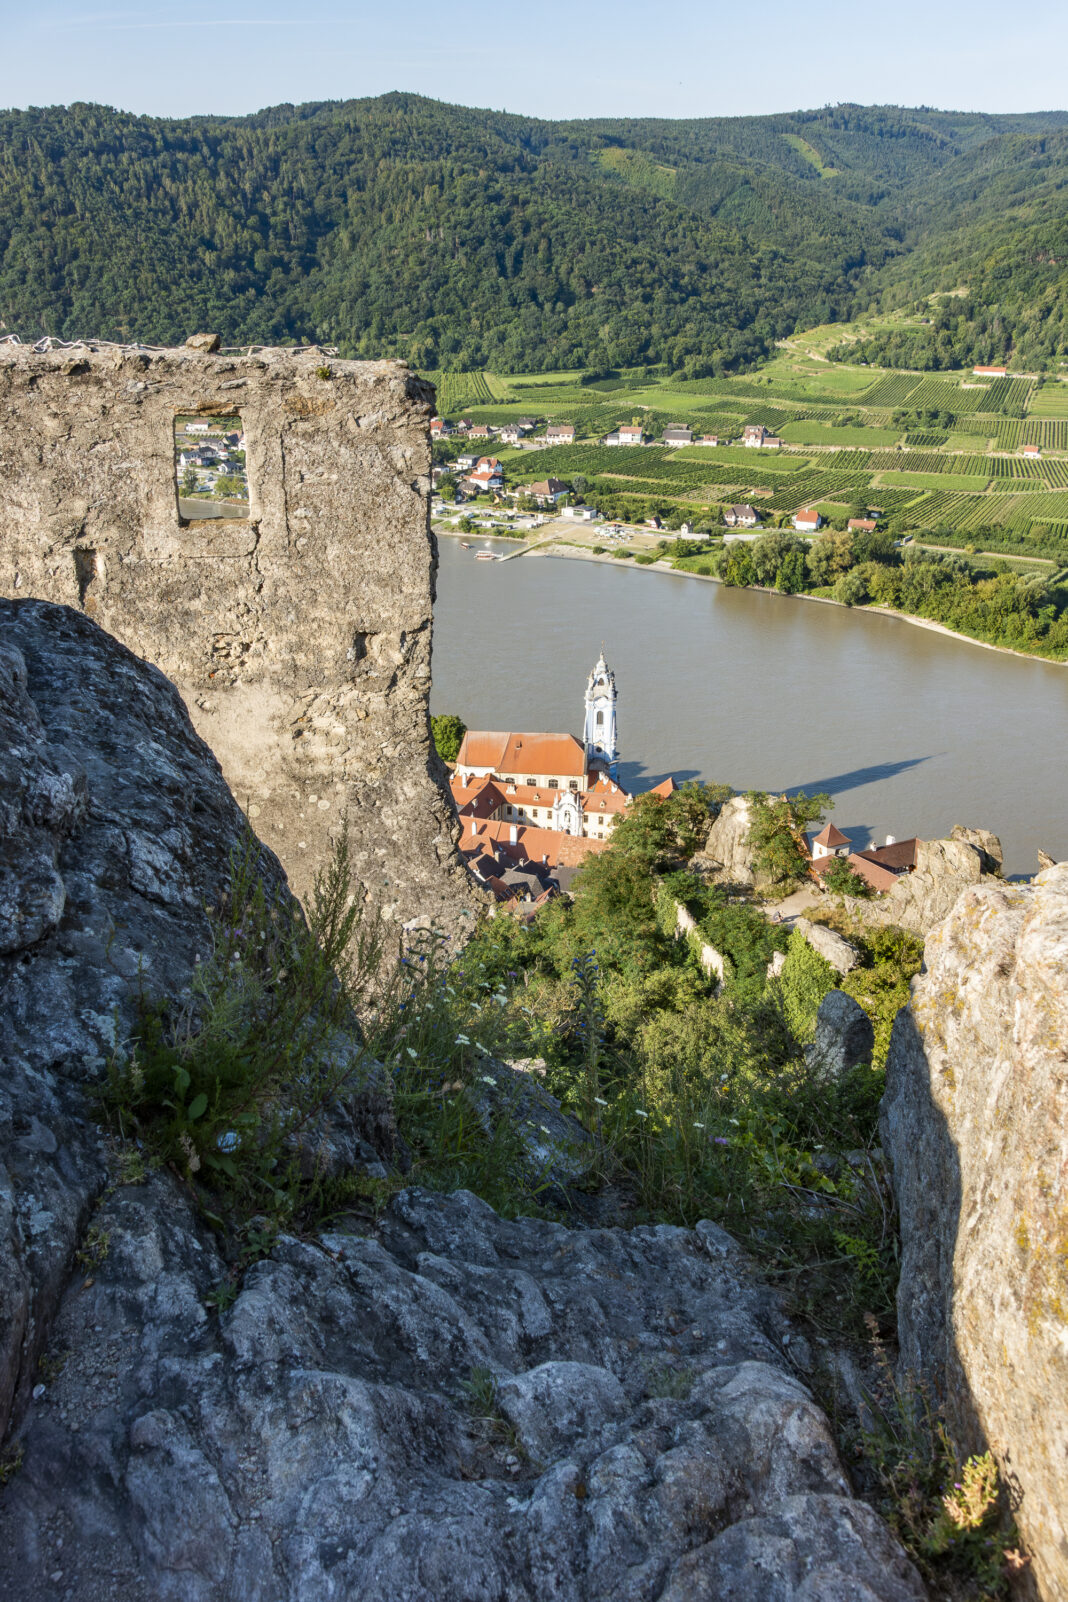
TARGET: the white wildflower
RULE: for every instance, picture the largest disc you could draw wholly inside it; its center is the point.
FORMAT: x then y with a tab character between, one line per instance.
600	1101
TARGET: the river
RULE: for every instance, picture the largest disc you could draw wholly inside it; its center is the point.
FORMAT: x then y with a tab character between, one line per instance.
910	731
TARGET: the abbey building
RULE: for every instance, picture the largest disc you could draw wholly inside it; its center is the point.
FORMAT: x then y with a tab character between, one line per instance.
543	799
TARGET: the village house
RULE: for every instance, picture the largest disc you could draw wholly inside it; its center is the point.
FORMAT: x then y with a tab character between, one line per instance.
582	514
861	525
480	431
439	428
560	433
830	842
510	434
464	464
547	491
708	439
625	434
990	372
678	437
756	437
741	516
1030	450
879	867
488	474
807	520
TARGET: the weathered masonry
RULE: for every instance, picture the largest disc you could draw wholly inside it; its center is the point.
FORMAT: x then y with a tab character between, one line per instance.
257	526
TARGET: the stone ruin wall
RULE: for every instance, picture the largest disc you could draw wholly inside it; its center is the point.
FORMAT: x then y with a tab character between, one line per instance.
299	637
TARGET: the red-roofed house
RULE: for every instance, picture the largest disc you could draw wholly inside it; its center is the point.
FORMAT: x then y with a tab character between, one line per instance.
807	520
861	525
488	474
990	372
830	842
1030	450
560	433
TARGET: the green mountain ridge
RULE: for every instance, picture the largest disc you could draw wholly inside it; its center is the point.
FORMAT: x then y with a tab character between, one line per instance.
460	238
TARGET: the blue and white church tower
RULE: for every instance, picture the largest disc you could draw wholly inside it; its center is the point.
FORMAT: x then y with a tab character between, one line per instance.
601	735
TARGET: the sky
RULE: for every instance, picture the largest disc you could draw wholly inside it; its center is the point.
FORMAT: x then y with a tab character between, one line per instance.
547	58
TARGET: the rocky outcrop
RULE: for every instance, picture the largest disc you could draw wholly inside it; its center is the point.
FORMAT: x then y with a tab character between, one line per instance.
726	856
447	1408
987	844
116	830
437	1406
975	1123
826	943
843	1039
921	899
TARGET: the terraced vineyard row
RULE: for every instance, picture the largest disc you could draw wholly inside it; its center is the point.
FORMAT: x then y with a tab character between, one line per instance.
457	390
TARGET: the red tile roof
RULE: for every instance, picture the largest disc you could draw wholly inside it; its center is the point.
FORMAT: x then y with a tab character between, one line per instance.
531	844
521	754
830	836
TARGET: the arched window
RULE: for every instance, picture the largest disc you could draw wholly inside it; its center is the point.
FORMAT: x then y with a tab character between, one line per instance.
600	719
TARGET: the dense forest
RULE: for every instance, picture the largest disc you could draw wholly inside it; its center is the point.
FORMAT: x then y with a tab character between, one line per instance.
462	239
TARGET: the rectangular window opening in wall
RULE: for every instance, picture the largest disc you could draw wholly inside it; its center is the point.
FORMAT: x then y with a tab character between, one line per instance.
209	466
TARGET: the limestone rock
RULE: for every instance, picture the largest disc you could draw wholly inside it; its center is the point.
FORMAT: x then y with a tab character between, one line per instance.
557	1150
330	1435
116	829
726	856
205	342
844	1036
831	946
987	844
921	899
974	1124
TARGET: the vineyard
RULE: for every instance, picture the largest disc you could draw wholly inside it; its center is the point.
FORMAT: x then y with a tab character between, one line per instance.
966	477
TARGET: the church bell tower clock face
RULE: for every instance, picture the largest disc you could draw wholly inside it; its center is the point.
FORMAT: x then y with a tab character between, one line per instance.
600	732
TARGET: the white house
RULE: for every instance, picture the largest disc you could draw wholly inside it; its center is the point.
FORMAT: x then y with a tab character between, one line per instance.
560	433
197	428
488	474
741	516
631	433
582	514
807	520
678	437
756	436
830	842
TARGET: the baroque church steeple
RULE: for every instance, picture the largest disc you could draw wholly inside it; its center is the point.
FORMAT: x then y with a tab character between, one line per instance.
600	732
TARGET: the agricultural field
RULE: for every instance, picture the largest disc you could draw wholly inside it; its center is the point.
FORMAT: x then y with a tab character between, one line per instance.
1050	401
813	432
843	449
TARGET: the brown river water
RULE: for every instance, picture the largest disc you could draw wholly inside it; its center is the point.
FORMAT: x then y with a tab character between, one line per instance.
910	731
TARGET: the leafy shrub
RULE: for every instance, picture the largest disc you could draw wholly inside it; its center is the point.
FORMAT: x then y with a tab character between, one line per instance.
448	731
805	979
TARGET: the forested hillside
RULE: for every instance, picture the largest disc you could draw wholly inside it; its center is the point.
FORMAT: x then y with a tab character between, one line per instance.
463	239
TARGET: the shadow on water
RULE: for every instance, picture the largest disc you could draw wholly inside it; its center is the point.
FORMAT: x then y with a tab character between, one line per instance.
634	777
861	776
